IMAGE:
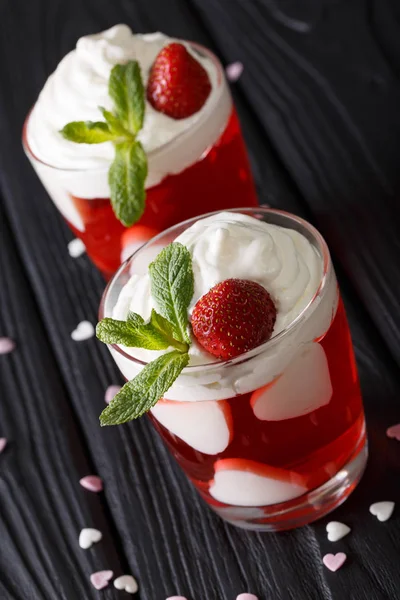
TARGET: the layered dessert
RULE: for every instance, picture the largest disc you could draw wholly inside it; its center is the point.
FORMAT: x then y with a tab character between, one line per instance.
189	132
268	410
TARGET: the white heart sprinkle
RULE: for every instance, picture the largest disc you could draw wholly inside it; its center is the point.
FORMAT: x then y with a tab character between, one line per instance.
6	345
234	71
76	247
394	432
333	562
84	331
127	583
89	536
3	444
337	531
100	579
111	391
93	483
382	510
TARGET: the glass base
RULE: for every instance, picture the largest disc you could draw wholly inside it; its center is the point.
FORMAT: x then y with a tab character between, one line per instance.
308	508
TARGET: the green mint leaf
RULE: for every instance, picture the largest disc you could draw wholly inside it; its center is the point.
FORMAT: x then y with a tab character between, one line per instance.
88	132
157	334
126	89
114	124
128	172
144	391
152	337
134	320
172	287
113	331
126	178
160	326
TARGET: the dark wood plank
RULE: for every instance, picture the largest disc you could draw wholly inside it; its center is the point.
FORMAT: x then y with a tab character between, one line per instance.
43	507
168	536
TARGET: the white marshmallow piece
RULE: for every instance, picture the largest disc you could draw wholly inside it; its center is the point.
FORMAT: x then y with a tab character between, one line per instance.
53	181
205	426
129	250
133	239
302	388
249	484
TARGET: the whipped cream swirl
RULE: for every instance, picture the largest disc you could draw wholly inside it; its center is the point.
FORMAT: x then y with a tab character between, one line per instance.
79	86
233	245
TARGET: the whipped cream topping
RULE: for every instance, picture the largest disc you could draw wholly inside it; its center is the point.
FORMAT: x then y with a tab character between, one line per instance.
232	245
79	86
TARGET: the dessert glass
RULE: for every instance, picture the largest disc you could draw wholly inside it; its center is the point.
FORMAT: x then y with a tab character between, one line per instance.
218	177
274	438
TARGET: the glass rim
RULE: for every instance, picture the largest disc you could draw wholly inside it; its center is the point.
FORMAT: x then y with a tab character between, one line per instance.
220	81
274	340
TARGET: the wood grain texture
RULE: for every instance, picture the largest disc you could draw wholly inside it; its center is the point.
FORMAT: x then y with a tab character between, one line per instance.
160	528
43	507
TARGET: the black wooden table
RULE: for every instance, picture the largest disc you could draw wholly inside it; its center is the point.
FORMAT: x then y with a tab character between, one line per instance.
319	102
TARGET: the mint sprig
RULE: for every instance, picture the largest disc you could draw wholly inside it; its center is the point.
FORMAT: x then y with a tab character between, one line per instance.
127	92
125	177
172	286
157	334
143	392
89	132
128	172
113	123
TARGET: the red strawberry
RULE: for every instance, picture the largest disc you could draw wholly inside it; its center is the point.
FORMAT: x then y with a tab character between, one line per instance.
178	85
233	317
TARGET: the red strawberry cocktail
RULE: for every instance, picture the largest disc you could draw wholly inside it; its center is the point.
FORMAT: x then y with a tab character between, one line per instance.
264	411
186	151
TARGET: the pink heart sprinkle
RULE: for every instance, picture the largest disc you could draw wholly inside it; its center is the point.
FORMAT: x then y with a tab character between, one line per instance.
3	444
247	597
93	483
234	71
176	598
101	579
333	562
6	345
111	391
394	432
